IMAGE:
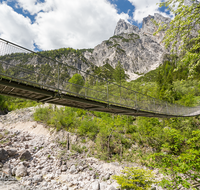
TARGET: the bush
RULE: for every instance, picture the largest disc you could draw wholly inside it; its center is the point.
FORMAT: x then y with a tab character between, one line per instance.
77	83
88	127
135	178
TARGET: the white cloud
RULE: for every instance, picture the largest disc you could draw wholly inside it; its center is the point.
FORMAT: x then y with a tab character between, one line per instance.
15	27
77	23
34	6
143	8
66	23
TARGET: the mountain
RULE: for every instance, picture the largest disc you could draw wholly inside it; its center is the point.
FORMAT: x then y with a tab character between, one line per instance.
138	50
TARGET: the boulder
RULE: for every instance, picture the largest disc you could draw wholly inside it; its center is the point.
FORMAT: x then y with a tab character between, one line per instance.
21	171
3	154
37	178
25	155
63	168
65	188
95	186
72	169
81	168
11	152
112	188
107	177
103	185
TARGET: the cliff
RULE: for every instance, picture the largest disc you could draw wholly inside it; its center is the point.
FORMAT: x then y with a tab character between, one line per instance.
138	50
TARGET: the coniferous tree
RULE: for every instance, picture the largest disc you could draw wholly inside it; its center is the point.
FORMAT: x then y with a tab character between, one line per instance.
119	73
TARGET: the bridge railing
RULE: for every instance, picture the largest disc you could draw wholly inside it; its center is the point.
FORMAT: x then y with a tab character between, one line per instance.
23	65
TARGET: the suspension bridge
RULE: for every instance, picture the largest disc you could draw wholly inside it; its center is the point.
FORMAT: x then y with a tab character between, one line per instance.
24	74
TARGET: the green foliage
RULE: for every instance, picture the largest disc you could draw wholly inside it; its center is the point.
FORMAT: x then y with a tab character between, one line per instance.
184	28
77	83
150	76
174	85
135	178
117	37
186	163
88	127
105	72
119	73
77	148
9	103
64	118
108	42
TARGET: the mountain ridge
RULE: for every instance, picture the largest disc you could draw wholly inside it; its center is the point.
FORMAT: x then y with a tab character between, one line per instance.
135	48
138	51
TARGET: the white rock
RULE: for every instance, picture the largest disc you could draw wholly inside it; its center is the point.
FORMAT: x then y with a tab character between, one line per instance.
107	176
13	172
37	178
7	168
21	171
103	185
111	188
95	186
81	184
65	188
80	168
72	169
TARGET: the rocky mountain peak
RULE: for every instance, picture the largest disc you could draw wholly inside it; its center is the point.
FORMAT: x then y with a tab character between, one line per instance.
124	27
138	50
149	27
188	2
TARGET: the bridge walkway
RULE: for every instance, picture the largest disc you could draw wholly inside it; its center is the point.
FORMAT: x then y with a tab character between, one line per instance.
19	77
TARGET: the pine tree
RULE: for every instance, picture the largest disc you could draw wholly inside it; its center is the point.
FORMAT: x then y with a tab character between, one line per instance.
119	73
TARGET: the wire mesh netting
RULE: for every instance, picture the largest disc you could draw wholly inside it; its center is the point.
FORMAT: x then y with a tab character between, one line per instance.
23	65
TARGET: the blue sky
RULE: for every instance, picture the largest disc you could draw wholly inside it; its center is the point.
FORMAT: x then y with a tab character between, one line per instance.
53	24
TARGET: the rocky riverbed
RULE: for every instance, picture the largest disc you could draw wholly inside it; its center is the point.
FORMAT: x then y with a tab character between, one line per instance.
31	157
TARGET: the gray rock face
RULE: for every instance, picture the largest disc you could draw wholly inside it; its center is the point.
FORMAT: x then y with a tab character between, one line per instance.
187	2
136	53
124	27
148	27
138	50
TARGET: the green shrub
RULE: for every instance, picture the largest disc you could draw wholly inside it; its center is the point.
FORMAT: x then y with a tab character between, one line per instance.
88	127
135	178
77	148
77	83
